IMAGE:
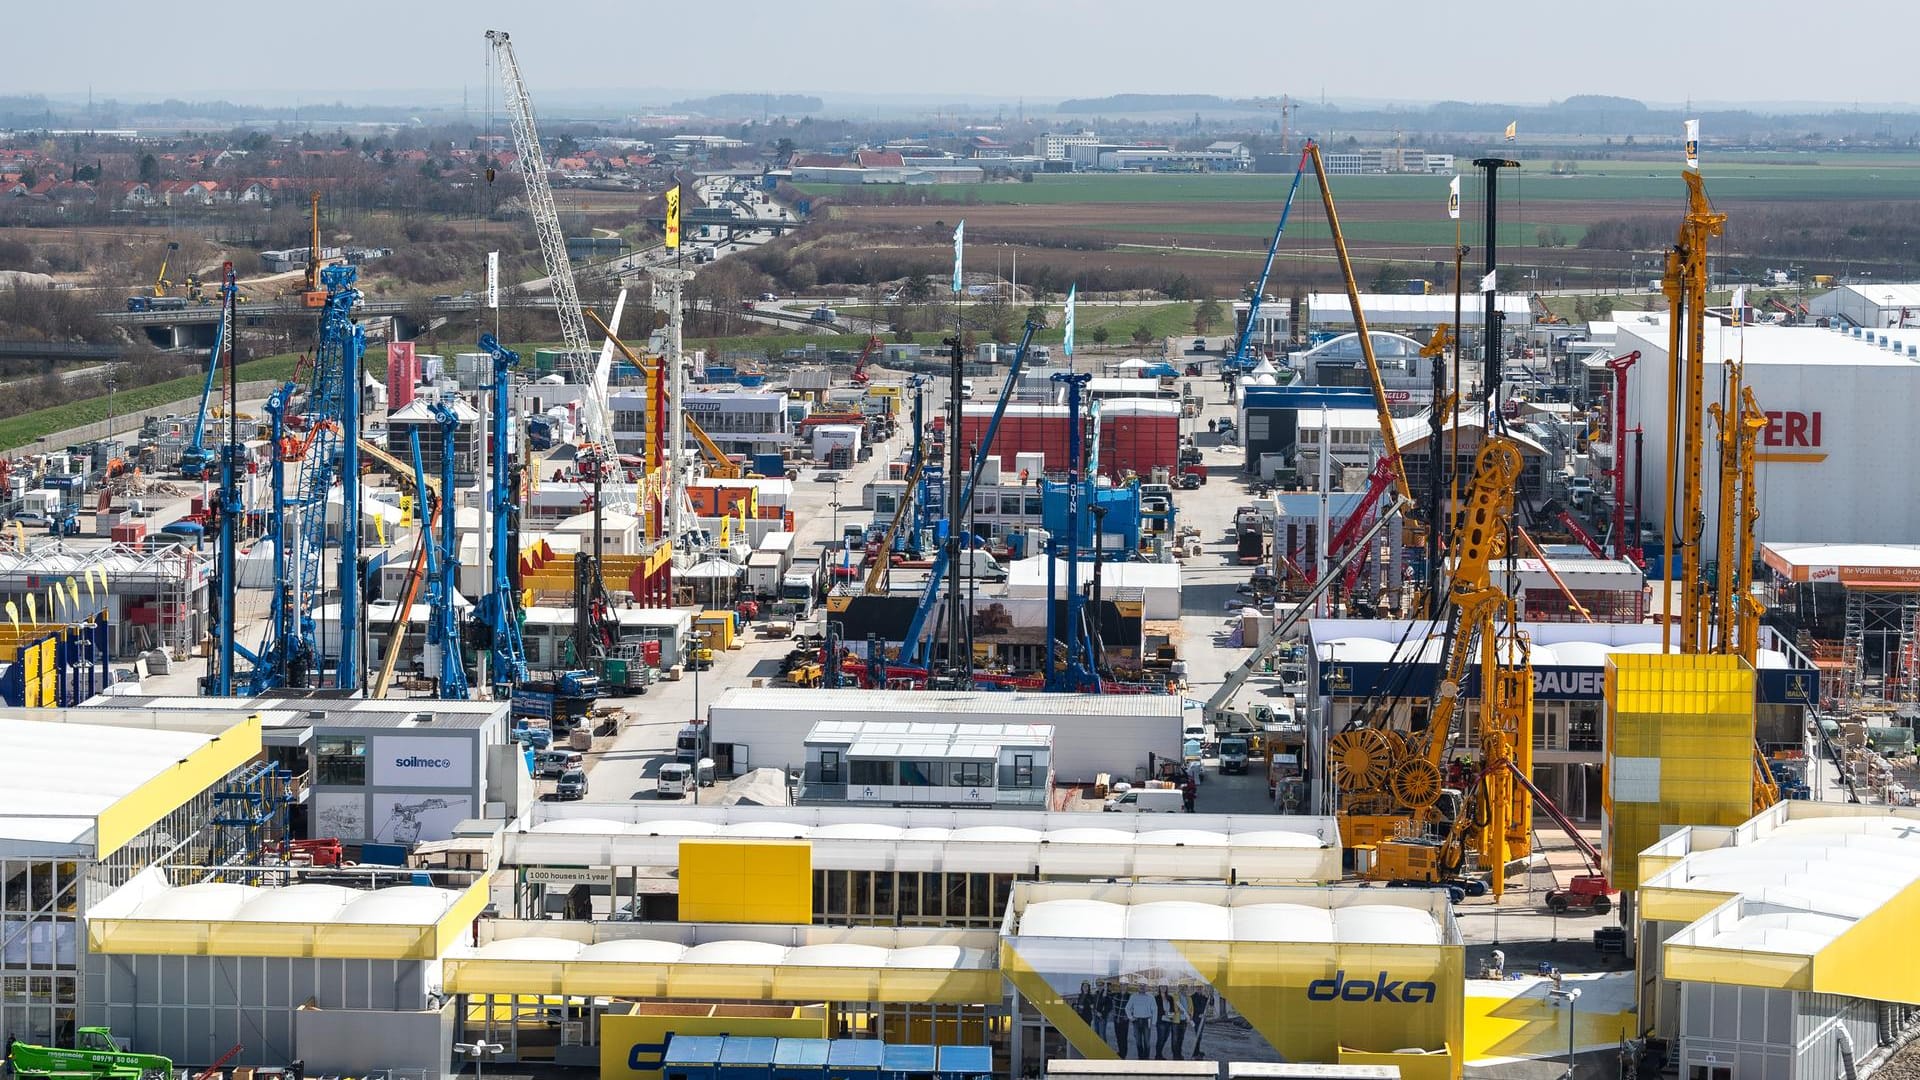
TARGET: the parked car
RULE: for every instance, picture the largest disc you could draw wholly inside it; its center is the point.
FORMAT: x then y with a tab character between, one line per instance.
1199	344
572	785
1190	481
557	763
1579	492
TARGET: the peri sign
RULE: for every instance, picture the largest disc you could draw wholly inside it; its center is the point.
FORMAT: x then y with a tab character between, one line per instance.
421	761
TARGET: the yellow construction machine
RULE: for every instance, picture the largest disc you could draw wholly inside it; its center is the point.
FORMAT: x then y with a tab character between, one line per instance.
1398	810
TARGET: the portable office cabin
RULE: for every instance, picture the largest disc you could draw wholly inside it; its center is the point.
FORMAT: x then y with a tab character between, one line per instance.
912	1061
747	1057
854	1059
801	1059
692	1057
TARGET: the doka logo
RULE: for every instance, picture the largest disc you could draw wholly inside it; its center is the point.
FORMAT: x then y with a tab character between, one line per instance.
423	762
638	1057
1340	988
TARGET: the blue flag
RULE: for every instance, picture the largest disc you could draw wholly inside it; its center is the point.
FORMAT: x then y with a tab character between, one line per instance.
1067	347
959	238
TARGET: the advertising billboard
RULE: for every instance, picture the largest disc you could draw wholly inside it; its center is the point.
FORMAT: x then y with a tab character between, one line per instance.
1244	1001
409	818
421	761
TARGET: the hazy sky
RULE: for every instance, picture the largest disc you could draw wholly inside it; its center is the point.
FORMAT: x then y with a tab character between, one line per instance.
1842	51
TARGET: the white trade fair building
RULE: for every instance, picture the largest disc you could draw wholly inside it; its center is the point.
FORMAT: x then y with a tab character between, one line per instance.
1835	456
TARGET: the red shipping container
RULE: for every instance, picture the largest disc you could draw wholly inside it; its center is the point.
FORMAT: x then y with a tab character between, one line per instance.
129	533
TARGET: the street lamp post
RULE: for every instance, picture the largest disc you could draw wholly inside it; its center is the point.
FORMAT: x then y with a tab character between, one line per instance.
479	1052
1571	997
699	639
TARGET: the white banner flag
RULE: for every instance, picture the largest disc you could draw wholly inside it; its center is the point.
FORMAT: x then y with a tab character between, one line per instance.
1067	344
1739	306
1453	198
959	239
1487	283
1693	145
493	279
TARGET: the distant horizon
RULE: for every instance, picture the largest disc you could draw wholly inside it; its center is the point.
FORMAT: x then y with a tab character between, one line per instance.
655	98
996	52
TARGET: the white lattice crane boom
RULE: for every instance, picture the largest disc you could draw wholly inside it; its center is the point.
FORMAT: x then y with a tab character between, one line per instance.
553	245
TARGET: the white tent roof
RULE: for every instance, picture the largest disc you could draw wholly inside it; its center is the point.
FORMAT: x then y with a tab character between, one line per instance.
728	951
1201	920
149	896
1192	847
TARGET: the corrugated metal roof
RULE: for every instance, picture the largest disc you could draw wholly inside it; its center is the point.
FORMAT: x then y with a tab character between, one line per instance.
1769	345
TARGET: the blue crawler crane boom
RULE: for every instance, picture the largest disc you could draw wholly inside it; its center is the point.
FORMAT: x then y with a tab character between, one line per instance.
443	626
913	649
329	452
197	459
1238	361
498	609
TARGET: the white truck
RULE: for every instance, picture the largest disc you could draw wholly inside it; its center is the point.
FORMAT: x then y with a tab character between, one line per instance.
797	595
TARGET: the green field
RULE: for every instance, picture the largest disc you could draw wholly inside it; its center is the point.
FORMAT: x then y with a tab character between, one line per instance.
1878	177
27	428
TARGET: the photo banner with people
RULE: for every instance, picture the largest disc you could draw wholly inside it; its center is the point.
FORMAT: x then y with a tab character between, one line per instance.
1244	1001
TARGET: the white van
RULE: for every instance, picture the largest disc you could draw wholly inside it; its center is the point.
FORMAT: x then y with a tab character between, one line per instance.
979	565
676	779
1147	801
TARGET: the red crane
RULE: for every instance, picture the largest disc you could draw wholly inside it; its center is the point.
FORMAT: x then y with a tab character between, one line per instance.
860	375
1586	538
1621	548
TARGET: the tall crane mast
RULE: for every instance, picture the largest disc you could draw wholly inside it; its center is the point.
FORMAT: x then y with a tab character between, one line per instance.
1686	287
499	609
313	295
553	245
443	629
294	653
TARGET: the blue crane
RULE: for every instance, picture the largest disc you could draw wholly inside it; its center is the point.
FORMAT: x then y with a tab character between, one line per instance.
1080	672
1238	361
443	562
197	459
911	648
293	654
498	609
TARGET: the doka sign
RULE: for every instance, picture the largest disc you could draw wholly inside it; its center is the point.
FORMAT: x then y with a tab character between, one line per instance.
416	761
1396	991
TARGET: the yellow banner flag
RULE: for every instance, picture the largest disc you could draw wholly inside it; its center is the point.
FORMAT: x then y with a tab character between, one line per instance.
1513	129
73	592
13	612
33	608
673	218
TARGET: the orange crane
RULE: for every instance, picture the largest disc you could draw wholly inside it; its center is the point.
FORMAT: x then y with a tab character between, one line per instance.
313	295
